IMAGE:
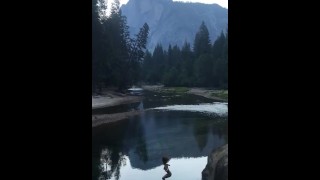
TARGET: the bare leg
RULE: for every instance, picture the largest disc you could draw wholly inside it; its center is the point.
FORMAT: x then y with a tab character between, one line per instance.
166	176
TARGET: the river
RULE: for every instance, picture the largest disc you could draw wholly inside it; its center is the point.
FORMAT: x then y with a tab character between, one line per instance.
182	126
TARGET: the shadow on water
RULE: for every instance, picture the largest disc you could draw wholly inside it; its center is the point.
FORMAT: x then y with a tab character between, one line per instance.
138	143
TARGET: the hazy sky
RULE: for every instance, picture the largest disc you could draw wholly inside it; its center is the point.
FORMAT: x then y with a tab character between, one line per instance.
223	3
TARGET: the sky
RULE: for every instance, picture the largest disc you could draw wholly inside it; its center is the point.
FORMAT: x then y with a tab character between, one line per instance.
223	3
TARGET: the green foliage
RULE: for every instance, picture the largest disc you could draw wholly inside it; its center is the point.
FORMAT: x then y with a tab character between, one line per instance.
121	61
175	90
202	41
223	94
206	65
116	58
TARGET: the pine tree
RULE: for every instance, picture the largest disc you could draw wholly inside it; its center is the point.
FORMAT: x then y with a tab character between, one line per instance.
118	40
147	67
187	65
202	41
158	61
137	49
219	74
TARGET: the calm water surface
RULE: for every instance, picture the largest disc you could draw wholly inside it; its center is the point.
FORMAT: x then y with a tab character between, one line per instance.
184	127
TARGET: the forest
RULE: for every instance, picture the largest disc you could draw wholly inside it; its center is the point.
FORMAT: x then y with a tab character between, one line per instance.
120	60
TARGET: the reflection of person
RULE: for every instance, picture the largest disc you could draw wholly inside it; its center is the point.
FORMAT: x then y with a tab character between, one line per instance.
104	167
165	160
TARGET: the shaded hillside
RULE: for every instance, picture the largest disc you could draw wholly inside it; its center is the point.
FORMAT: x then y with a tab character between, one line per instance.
174	22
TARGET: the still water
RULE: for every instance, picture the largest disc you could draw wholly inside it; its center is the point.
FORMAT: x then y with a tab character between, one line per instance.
184	127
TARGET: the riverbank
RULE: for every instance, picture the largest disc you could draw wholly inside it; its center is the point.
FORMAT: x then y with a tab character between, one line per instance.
110	118
110	98
219	95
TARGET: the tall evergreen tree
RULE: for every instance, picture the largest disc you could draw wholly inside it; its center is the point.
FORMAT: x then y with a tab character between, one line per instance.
98	46
138	47
158	60
206	66
220	65
147	67
169	59
202	41
118	40
218	46
186	75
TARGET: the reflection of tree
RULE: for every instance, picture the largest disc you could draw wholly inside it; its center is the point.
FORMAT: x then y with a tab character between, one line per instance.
220	127
200	132
139	133
226	133
111	136
114	159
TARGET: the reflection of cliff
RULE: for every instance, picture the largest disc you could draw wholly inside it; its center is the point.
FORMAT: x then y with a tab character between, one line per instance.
146	138
167	135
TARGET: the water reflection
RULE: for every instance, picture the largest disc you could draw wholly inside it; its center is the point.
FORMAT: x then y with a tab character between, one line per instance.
201	133
179	167
110	164
146	138
132	149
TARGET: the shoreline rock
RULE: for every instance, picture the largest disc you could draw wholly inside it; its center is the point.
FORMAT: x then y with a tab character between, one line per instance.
217	166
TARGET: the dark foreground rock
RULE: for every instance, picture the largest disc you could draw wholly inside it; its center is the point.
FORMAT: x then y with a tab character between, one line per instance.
217	167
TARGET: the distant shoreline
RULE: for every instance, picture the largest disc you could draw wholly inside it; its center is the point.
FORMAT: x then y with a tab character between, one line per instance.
207	93
111	98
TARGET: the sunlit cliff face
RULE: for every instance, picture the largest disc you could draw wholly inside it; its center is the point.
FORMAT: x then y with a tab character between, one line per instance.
151	9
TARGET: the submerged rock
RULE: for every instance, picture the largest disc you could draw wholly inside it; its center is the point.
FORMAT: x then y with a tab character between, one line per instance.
217	167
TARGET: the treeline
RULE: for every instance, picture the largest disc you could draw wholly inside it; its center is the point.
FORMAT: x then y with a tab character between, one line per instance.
121	61
116	57
204	65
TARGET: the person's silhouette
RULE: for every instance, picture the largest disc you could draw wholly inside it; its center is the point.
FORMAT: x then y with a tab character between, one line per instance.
165	160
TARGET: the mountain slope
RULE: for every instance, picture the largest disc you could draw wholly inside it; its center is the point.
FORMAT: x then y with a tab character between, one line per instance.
174	22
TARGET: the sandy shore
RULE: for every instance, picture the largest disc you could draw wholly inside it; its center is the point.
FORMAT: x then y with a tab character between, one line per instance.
109	118
113	99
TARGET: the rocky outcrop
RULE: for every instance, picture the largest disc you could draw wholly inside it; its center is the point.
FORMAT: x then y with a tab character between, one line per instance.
217	167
